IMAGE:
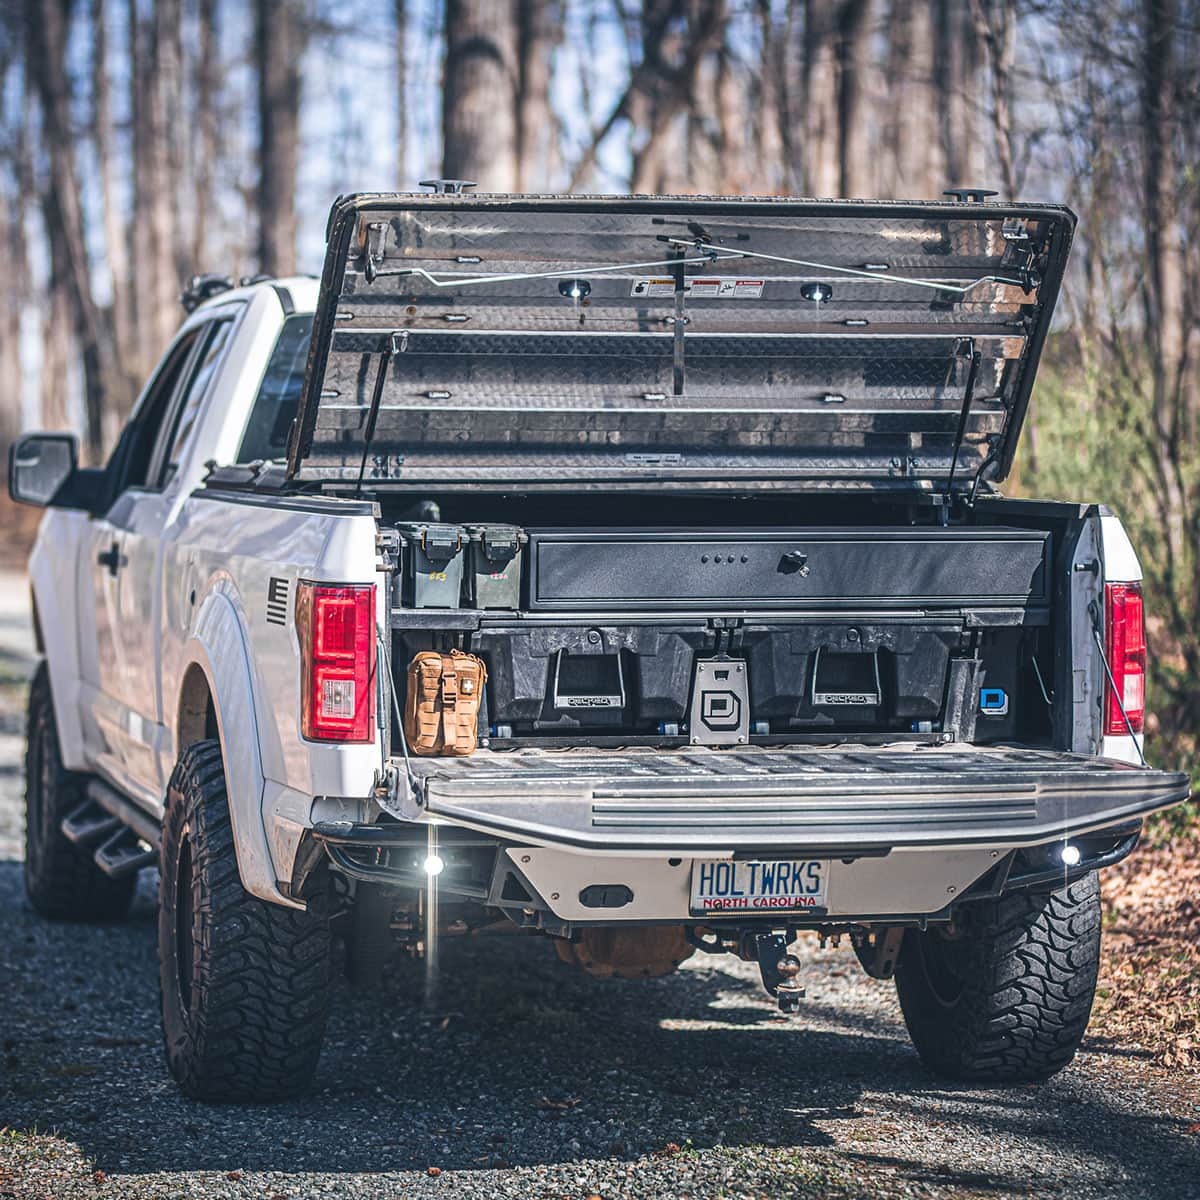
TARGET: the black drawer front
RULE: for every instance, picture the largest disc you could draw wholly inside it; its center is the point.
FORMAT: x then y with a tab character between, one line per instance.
894	568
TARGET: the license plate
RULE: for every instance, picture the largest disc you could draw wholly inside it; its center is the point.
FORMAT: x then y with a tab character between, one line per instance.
723	885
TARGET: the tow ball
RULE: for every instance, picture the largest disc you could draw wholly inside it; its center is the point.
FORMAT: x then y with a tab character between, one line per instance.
779	970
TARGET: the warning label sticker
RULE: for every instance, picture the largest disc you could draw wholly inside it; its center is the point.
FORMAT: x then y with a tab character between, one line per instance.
701	288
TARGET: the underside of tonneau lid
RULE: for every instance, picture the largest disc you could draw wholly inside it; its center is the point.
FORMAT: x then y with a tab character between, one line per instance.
548	342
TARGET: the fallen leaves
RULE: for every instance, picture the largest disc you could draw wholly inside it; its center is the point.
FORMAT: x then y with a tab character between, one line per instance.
1149	990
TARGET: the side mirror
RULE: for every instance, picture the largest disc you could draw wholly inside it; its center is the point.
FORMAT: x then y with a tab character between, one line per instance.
43	470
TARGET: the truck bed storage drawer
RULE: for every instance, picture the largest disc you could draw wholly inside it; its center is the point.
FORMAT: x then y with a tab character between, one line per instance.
826	568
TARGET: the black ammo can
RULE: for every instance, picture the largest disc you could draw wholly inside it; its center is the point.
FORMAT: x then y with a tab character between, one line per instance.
494	561
433	564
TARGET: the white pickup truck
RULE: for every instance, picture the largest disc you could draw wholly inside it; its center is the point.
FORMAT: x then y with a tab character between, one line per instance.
708	485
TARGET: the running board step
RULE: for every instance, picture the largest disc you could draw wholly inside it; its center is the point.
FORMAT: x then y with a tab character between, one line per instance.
89	824
124	853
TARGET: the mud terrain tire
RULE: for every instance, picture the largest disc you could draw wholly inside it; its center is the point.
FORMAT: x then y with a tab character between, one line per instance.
1007	998
245	984
61	879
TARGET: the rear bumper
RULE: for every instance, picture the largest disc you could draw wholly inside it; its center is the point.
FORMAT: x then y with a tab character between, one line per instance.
561	889
794	801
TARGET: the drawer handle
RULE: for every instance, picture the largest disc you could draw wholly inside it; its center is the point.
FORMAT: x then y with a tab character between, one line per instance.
795	562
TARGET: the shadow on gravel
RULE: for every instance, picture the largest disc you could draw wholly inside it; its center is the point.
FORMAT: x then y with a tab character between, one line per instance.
531	1063
915	1171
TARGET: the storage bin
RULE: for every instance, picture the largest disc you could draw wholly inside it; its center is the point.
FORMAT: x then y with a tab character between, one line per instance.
433	564
495	555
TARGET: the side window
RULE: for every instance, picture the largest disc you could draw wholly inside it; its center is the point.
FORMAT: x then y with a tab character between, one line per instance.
177	432
129	465
279	393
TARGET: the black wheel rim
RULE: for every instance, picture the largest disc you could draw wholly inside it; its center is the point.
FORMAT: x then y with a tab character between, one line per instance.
940	966
183	920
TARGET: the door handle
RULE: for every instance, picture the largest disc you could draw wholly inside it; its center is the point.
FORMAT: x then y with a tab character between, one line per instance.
112	559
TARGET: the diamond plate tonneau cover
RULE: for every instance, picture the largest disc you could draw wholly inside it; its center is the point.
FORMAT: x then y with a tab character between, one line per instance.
796	799
547	341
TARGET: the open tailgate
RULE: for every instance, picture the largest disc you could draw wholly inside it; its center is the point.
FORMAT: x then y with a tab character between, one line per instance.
796	799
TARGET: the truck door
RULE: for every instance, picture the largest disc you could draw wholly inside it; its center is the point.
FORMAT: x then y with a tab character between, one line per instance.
143	515
107	673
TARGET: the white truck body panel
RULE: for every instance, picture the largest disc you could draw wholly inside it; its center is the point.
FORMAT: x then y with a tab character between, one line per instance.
178	602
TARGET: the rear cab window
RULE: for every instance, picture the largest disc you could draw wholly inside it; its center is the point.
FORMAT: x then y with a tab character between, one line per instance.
278	396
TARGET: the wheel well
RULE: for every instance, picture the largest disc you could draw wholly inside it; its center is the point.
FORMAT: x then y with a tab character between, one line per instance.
197	719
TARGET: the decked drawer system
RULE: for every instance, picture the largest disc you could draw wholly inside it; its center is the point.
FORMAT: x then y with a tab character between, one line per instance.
890	568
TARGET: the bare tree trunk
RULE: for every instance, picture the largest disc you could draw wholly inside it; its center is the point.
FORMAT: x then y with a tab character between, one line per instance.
479	109
995	27
1163	290
207	93
177	132
660	88
673	64
279	39
539	28
652	108
915	99
961	68
62	207
14	258
822	174
732	122
401	18
123	382
771	142
854	142
792	96
12	302
154	72
713	110
54	376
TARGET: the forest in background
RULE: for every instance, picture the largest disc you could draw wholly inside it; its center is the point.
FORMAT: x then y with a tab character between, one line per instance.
143	142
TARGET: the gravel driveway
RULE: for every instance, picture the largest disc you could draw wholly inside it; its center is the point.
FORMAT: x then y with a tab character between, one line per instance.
542	1082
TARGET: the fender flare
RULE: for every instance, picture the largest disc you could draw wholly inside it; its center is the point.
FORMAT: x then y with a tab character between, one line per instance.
49	610
218	647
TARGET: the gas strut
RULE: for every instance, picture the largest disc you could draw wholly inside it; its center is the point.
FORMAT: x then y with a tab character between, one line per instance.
968	396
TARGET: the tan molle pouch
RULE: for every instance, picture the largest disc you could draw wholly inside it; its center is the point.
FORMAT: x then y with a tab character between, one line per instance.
441	712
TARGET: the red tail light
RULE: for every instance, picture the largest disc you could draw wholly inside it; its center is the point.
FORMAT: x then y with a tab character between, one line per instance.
336	627
1125	645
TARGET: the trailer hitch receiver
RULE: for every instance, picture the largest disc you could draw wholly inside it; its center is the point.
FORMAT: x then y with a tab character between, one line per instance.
779	969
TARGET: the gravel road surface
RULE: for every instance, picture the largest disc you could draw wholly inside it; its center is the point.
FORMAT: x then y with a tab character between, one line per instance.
540	1082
